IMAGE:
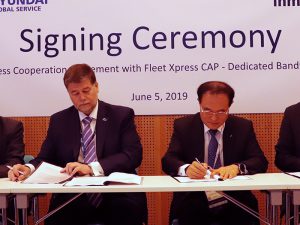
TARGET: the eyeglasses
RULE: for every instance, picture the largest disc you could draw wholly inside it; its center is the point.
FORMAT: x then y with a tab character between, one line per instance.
211	113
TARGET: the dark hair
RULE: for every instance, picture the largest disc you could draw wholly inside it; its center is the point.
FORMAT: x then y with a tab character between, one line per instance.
77	72
215	87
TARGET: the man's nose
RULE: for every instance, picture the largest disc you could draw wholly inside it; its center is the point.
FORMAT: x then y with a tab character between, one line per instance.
213	116
82	97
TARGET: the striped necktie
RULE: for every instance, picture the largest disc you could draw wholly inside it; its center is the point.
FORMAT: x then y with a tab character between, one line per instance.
88	141
89	154
213	159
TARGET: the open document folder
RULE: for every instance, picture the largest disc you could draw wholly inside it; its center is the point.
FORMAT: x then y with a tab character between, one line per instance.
47	173
113	178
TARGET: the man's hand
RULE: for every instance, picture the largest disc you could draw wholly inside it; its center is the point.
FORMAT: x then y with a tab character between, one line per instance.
18	172
77	168
196	170
226	172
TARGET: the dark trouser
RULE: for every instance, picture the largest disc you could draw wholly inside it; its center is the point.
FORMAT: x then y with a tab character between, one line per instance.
192	209
115	209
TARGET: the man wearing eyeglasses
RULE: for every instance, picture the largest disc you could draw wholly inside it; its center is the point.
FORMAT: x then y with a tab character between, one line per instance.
213	142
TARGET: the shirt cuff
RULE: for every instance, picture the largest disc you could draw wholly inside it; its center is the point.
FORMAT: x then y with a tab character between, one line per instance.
96	168
181	170
31	167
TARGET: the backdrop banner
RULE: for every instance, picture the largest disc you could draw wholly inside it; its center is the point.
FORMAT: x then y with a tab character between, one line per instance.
150	55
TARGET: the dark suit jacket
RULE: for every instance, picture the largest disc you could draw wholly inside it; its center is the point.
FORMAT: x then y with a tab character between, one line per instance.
288	146
11	144
118	145
239	146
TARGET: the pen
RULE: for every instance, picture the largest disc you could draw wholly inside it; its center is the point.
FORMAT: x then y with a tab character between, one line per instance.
20	172
208	168
218	177
208	171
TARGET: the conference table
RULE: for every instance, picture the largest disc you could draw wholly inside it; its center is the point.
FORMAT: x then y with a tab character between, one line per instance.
274	183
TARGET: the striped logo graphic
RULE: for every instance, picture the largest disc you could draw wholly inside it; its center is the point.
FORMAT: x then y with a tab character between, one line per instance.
284	3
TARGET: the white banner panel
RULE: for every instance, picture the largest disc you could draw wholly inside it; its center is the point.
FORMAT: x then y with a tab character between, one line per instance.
150	55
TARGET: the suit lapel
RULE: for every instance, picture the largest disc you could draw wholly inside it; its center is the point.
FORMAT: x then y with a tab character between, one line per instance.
228	140
1	137
198	137
75	130
101	126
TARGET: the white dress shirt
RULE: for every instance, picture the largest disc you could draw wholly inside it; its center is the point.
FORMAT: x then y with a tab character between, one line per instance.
207	137
95	166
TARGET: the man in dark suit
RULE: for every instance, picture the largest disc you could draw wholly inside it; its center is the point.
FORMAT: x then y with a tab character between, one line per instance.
11	144
288	146
11	151
287	157
236	151
92	129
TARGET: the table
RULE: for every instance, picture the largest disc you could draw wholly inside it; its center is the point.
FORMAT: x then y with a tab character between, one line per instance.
294	188
275	183
5	188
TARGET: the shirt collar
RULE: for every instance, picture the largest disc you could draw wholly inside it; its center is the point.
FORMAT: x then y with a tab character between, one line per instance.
92	115
220	129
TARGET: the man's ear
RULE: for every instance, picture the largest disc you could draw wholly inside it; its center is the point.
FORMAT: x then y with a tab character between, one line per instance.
97	86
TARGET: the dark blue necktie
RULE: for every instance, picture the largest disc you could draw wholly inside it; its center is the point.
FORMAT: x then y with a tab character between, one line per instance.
89	155
88	141
213	158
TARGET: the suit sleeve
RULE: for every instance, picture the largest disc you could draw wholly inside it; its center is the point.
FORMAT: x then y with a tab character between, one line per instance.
254	158
45	153
14	148
285	158
127	156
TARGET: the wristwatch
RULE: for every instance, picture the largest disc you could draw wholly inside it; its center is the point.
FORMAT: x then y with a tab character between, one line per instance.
242	168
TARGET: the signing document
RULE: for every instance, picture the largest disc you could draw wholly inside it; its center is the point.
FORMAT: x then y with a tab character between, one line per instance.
208	179
47	173
293	174
113	178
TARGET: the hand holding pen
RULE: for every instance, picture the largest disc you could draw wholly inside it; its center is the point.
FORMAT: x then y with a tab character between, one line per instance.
206	166
209	171
196	170
11	168
18	172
